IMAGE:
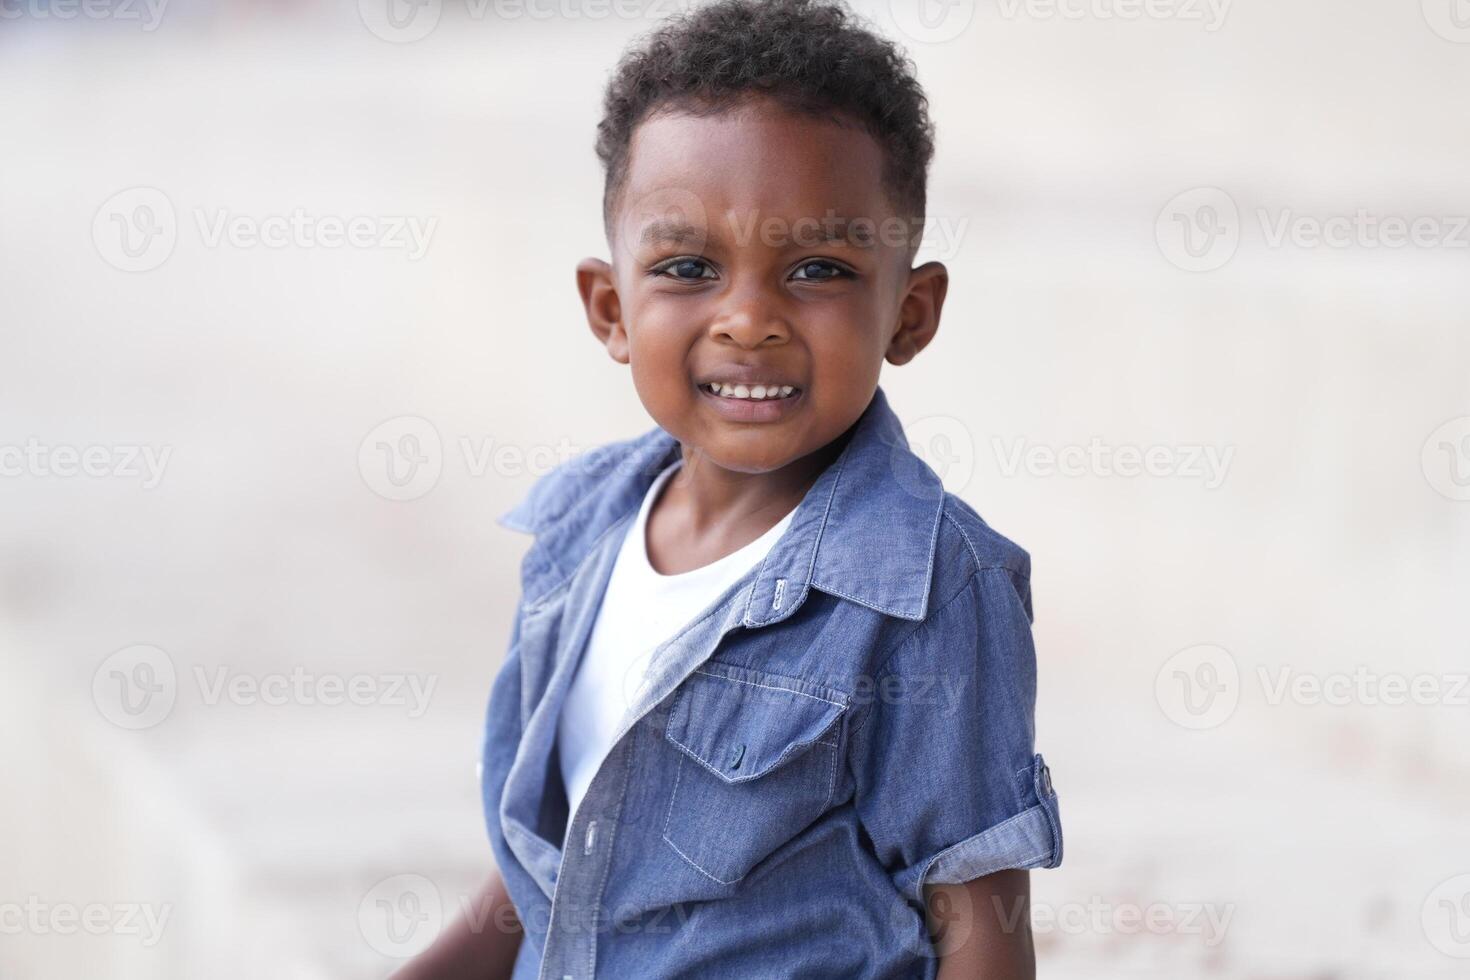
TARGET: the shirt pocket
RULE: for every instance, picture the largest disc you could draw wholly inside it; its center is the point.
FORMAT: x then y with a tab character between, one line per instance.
757	763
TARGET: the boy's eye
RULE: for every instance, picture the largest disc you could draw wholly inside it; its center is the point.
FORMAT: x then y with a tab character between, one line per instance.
686	269
819	270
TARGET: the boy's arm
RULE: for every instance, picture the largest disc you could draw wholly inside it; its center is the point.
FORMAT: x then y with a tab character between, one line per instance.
982	929
478	945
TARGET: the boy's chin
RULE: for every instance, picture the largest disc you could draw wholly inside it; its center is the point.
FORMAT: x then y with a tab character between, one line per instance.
756	450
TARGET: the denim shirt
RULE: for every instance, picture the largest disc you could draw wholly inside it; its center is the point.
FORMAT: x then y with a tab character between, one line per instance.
849	722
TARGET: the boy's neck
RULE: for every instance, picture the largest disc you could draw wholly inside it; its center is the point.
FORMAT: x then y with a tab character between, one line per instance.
705	511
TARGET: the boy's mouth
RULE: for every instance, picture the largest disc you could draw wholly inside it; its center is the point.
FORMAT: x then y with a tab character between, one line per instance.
759	392
746	401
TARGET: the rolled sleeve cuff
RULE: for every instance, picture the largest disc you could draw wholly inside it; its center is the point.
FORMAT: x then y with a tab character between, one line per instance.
1030	839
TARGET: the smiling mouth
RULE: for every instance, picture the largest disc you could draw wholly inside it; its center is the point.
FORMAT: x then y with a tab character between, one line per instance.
751	392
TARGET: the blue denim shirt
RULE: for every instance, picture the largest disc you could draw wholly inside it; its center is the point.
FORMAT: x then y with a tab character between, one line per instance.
850	721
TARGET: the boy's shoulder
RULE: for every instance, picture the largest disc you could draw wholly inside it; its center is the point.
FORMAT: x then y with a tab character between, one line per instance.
967	546
974	542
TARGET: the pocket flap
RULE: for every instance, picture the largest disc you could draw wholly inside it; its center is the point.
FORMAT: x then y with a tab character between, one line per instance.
740	724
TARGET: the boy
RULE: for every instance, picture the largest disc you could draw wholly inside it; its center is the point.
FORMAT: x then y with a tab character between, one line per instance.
769	693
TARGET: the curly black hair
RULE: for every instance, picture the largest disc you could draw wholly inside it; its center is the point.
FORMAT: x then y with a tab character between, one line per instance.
810	56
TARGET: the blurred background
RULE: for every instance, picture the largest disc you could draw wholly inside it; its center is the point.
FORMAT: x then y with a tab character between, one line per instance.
288	319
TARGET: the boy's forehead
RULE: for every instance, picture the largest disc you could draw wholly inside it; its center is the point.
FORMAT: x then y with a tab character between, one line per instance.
751	163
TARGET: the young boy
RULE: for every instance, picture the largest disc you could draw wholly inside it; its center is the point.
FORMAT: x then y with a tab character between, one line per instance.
769	693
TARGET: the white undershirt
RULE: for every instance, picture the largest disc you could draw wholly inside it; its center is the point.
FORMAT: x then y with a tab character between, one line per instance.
640	609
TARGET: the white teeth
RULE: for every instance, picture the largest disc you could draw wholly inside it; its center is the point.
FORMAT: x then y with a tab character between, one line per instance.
749	391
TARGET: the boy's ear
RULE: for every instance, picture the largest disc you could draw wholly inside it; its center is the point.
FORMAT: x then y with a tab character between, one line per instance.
604	309
918	314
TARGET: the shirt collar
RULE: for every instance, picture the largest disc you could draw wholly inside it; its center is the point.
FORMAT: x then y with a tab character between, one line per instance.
865	531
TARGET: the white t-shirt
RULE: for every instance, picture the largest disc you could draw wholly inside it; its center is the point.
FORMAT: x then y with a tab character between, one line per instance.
640	609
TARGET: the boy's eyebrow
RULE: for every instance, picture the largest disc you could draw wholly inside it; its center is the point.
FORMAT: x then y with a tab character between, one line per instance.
671	231
859	233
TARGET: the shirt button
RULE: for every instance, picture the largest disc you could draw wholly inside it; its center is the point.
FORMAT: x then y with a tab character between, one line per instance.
737	755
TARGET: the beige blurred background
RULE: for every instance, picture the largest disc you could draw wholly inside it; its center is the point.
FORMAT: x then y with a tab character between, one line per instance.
1206	355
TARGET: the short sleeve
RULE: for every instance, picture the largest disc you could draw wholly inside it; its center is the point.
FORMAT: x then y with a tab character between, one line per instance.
948	784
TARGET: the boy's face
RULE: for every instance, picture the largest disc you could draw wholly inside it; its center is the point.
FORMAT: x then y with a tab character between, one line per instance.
756	246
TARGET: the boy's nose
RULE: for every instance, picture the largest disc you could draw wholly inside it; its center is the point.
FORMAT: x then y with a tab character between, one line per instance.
750	320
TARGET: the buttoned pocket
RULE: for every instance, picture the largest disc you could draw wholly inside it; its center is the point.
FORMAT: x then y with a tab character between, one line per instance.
758	758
